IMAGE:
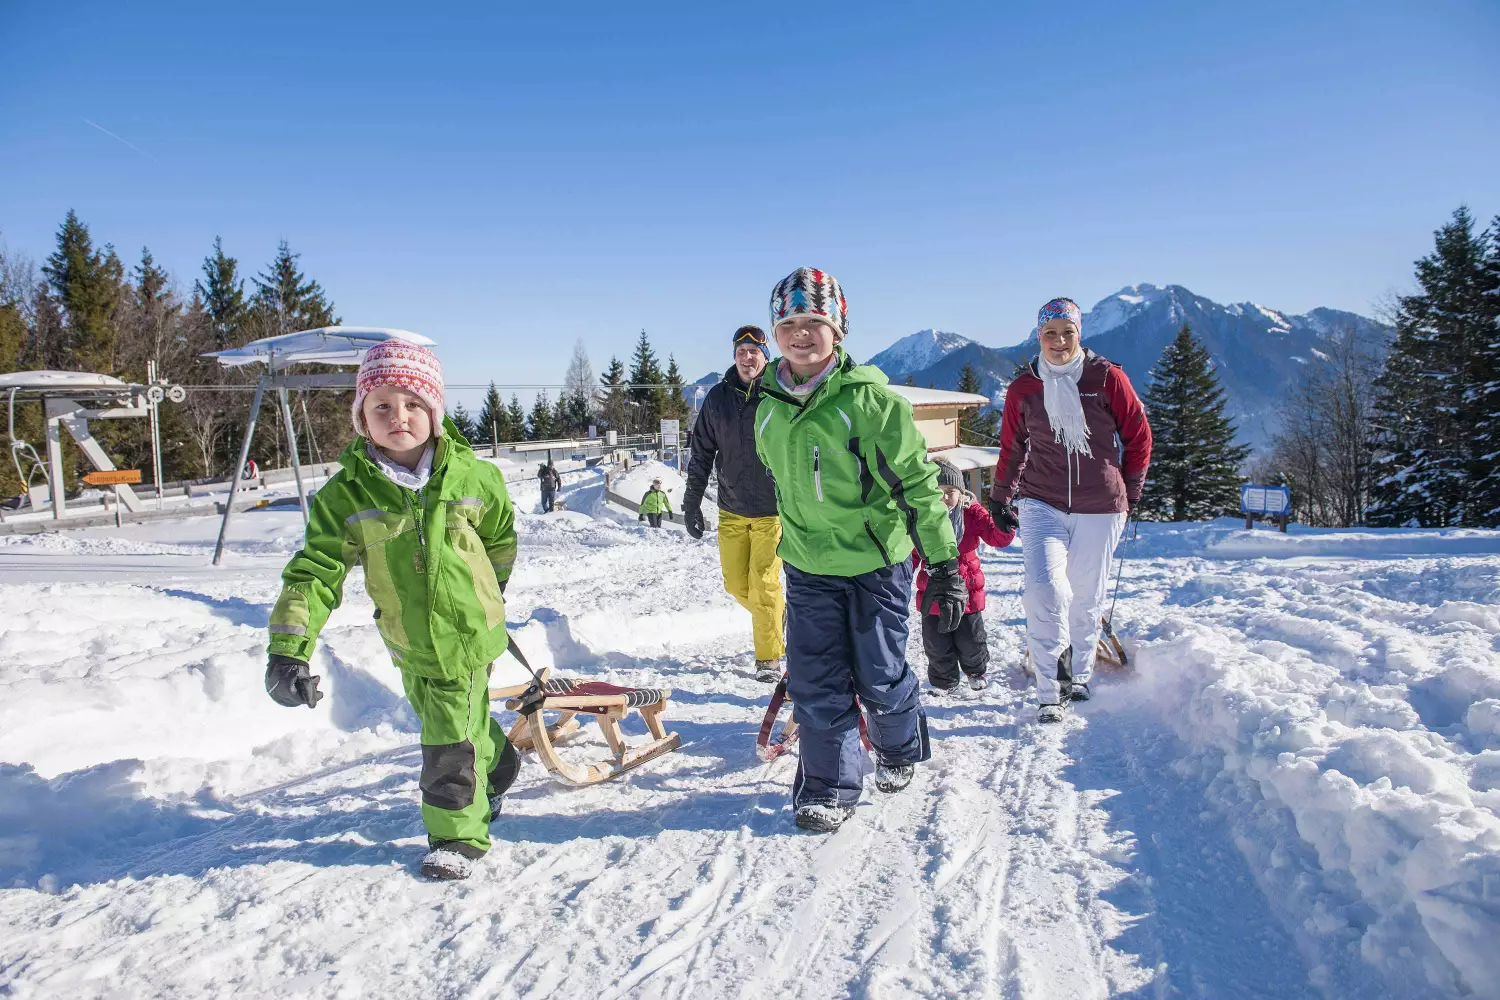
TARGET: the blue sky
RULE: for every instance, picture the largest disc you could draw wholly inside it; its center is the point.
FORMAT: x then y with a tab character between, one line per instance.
510	179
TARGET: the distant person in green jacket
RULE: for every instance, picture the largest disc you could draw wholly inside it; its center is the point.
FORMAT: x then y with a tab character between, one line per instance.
433	528
654	504
856	496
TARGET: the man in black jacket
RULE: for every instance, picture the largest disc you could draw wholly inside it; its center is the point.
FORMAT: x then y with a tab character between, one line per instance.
749	528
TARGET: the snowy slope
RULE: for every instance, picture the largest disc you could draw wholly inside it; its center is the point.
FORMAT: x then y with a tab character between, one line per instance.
1293	794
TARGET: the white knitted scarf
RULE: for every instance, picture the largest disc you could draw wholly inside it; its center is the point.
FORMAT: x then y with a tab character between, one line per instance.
1064	408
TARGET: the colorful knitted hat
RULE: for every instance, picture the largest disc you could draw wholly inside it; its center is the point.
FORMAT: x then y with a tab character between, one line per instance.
1060	309
751	334
810	292
406	366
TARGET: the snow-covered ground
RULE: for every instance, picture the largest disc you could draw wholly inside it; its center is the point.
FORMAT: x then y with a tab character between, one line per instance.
1293	793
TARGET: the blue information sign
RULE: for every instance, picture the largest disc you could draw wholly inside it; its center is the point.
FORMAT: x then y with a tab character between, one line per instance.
1265	499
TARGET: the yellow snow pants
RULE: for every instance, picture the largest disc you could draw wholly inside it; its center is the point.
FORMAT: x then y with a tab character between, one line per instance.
752	575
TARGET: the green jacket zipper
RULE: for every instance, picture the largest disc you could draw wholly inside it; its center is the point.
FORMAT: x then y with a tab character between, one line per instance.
817	473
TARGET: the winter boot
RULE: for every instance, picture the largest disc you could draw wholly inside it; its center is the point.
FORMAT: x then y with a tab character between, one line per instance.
450	860
507	764
823	818
770	671
978	683
1051	713
894	777
1081	691
937	690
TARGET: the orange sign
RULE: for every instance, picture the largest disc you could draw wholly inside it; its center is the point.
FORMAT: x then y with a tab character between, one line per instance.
114	477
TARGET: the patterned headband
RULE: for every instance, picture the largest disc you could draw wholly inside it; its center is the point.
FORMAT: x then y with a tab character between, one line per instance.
1060	309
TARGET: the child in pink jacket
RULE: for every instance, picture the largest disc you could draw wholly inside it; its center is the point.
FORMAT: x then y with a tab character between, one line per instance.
966	648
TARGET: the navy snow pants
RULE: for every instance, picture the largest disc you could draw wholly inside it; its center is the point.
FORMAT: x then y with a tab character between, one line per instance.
846	636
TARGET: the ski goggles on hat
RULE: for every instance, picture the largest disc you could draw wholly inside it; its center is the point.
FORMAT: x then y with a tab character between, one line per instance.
750	335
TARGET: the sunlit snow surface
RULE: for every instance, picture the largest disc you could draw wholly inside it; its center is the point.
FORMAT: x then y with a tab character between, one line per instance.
1292	795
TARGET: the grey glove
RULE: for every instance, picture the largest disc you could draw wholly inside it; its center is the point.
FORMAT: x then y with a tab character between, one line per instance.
692	518
947	593
290	683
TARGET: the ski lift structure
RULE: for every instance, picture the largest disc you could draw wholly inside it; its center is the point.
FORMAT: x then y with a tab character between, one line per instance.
329	345
69	401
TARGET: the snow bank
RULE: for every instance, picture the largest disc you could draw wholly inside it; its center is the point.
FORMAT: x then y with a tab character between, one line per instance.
1356	742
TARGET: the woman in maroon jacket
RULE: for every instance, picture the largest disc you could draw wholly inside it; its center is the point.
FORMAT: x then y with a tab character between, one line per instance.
1074	449
968	645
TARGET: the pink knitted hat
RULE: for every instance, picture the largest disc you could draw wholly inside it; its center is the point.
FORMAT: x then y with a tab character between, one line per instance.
406	366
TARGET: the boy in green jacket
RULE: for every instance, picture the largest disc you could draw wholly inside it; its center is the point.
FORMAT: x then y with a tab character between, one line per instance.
654	504
434	530
856	495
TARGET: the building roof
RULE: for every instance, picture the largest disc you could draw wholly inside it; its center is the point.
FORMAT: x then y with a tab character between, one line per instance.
967	456
939	397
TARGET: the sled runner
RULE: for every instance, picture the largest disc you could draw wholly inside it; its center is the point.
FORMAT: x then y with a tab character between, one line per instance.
1109	654
607	704
769	747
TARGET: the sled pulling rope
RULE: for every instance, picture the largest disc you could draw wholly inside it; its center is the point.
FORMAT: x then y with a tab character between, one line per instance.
607	704
769	747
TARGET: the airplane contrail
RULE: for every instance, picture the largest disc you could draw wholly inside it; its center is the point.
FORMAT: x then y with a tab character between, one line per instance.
125	141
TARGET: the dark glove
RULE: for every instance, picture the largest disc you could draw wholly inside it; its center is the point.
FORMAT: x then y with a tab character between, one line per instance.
947	592
1004	515
1132	508
641	516
502	585
289	682
692	517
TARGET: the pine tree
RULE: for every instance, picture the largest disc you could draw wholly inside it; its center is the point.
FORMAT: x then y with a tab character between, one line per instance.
575	407
911	380
674	404
540	423
615	406
286	300
464	422
1195	464
86	284
492	419
1428	396
982	427
646	384
515	418
223	292
1484	400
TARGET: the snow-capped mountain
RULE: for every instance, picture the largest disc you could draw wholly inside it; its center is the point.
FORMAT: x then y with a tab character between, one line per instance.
1260	352
919	351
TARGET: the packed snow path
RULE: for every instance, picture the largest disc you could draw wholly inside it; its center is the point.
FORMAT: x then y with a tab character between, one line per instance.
1294	793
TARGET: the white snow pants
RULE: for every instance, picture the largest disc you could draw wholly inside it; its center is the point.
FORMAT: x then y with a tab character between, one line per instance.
1067	559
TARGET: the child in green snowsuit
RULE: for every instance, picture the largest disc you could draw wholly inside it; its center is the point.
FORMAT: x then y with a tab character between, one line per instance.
434	530
654	504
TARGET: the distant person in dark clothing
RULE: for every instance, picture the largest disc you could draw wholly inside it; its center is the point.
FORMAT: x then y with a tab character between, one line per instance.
550	482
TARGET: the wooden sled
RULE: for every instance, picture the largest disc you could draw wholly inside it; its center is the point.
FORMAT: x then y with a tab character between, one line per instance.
770	744
1109	654
607	704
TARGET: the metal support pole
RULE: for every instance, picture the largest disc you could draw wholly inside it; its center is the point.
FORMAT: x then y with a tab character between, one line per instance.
234	476
291	441
56	492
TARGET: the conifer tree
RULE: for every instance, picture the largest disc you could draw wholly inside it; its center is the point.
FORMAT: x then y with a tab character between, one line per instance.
1195	464
286	300
515	420
223	292
674	405
645	383
1428	411
540	423
464	422
983	426
1485	400
86	284
492	419
615	406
